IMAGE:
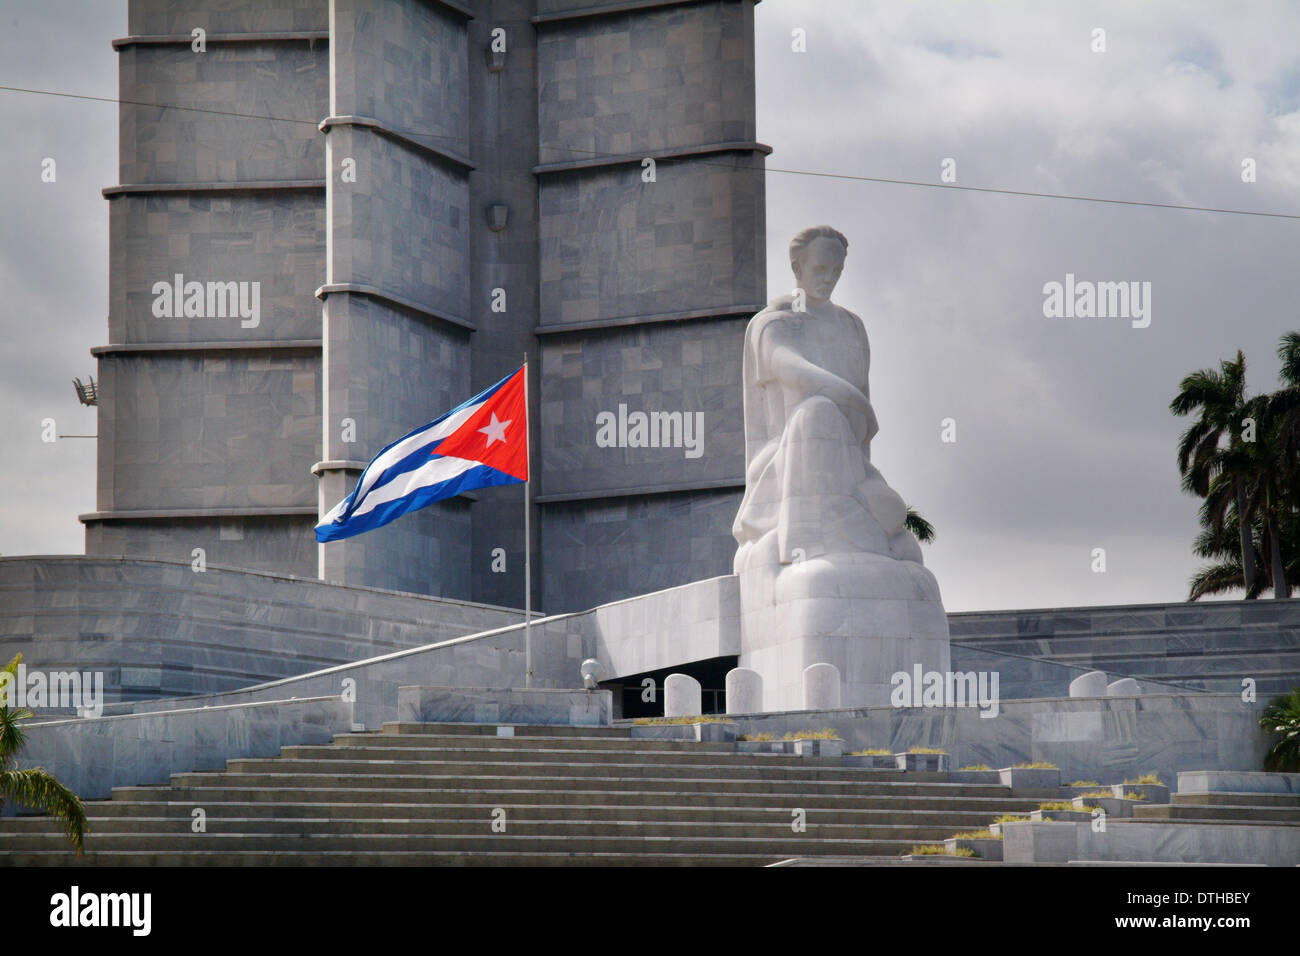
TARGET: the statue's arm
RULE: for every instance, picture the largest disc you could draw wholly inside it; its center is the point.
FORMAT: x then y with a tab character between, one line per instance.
782	362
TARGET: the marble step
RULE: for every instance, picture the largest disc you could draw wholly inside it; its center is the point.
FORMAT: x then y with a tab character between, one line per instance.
520	742
468	751
737	768
318	858
109	812
574	777
12	837
1228	798
222	792
490	730
788	845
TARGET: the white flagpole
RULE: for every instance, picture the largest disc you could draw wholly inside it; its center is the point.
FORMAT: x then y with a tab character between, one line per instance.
528	543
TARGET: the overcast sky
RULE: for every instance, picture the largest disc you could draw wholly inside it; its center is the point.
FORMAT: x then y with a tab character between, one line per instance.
1064	439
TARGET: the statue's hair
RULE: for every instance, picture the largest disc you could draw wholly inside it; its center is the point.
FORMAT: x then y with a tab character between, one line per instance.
799	244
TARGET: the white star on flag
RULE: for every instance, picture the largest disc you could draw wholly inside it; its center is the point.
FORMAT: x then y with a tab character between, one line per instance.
495	430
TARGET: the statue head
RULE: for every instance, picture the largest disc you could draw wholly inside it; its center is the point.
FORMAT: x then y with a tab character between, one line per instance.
817	258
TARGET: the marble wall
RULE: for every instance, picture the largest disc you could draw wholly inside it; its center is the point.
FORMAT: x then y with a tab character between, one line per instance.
94	756
159	629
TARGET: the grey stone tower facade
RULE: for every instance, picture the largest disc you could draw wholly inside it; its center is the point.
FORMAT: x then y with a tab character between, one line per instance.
423	191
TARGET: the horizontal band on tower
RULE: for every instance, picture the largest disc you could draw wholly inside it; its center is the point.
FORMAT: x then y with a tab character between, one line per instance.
720	484
667	154
719	312
250	186
199	514
448	156
609	9
397	301
185	39
154	348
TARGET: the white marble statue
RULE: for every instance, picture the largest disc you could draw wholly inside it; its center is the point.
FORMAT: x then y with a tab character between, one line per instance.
828	572
810	487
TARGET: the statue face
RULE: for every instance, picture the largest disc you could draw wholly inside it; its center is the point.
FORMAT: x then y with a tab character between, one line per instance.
820	268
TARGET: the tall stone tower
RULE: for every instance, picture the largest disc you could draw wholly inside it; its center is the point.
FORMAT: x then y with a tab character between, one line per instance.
424	191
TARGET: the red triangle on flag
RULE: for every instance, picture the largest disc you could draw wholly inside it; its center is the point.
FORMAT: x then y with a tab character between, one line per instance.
496	434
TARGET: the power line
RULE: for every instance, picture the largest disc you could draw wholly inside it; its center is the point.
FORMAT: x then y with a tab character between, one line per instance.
849	177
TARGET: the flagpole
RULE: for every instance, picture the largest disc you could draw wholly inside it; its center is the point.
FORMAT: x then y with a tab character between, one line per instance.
528	542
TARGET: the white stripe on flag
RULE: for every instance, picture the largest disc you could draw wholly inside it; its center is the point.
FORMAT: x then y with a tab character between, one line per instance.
399	451
435	472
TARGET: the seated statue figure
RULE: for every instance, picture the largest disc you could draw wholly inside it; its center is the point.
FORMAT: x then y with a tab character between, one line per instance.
810	487
828	571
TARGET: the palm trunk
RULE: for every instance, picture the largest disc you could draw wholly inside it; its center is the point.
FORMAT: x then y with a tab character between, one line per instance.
1279	575
1247	546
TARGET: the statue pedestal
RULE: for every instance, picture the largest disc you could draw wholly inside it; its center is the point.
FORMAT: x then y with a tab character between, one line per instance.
868	614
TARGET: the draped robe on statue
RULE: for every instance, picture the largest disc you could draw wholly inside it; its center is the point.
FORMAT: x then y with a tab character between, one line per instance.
810	487
828	573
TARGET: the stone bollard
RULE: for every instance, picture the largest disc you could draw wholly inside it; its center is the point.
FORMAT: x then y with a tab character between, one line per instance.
744	691
1124	687
682	696
821	687
1091	684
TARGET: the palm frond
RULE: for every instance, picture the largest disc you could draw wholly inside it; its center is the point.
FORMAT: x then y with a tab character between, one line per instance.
39	790
920	528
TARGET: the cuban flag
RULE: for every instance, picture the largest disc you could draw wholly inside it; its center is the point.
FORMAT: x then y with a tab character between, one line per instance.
481	442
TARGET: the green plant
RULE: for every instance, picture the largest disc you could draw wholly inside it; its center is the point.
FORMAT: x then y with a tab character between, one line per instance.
676	721
1149	779
1036	765
872	752
1084	783
1012	818
977	766
985	834
931	849
1282	717
1057	805
1095	794
925	750
35	788
826	733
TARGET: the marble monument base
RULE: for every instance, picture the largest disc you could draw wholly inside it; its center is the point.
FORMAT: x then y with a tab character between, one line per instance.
868	614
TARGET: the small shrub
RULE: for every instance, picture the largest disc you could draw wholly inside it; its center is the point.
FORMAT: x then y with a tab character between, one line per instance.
1085	783
873	752
1057	805
1283	719
1147	778
925	750
826	733
1036	765
930	849
985	834
1012	818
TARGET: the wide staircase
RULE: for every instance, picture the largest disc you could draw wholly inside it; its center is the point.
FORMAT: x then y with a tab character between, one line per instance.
460	794
1200	646
1257	809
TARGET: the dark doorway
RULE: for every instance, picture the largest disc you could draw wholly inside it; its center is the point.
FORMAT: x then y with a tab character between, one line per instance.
630	691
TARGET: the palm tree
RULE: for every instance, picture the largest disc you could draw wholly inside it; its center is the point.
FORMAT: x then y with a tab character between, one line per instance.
920	528
1279	478
1219	399
1219	545
35	788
